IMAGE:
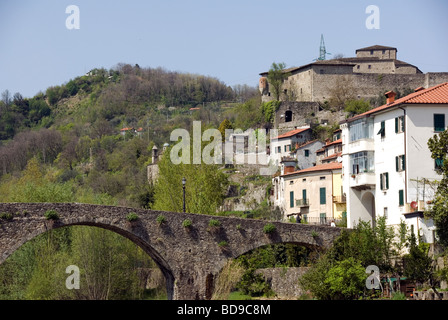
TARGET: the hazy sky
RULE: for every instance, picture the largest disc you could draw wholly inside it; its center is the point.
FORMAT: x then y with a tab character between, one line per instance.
231	40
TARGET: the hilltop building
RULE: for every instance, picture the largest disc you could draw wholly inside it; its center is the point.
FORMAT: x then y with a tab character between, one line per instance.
372	70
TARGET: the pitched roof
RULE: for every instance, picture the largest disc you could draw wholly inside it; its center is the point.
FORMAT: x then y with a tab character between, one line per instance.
321	167
434	95
291	133
376	47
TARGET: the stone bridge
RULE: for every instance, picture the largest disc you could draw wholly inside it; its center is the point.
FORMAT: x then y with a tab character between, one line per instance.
189	257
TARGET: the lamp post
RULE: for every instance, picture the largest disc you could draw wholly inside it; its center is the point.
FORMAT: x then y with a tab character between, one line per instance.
184	181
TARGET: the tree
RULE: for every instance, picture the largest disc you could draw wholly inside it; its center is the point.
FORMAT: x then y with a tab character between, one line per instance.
354	107
225	124
438	145
346	279
276	77
417	264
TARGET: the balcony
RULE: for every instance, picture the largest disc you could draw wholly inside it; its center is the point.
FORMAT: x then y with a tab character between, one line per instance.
362	181
303	203
339	199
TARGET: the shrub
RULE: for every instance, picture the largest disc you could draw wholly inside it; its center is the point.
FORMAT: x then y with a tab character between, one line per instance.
160	219
269	228
6	216
214	223
51	215
132	217
186	223
223	244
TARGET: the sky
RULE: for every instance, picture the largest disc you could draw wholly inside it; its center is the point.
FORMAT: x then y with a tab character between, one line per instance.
232	40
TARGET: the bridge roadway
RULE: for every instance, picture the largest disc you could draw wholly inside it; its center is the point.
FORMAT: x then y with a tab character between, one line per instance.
190	258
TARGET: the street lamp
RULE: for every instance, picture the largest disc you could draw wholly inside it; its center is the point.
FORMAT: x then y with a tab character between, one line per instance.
184	181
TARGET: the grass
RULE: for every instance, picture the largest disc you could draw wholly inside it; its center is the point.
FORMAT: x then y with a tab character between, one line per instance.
237	295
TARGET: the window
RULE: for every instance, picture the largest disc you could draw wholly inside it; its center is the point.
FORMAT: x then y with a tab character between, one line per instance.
385	212
323	196
371	52
304	195
382	129
439	122
370	66
307	153
322	178
361	129
279	149
287	147
400	163
384	181
362	162
400	198
399	124
438	165
321	71
291	199
304	180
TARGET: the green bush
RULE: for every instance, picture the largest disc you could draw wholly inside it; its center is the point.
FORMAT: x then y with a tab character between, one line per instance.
51	215
214	223
132	217
269	228
186	223
161	219
6	216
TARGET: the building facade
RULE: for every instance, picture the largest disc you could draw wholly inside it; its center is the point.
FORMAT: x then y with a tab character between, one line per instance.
386	158
315	193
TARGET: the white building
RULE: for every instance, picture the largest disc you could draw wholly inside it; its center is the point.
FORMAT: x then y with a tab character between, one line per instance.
284	144
386	157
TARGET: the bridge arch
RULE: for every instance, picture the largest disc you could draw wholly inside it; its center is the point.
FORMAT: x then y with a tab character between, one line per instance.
189	258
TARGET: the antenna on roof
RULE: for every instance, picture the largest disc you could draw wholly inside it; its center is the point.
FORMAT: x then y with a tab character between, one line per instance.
323	52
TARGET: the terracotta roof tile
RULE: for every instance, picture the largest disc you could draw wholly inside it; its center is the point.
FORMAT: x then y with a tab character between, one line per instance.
291	133
321	167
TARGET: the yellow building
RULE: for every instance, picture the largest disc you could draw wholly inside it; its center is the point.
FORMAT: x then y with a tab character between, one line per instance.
316	193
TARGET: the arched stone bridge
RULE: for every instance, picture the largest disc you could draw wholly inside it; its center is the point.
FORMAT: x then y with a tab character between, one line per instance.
190	258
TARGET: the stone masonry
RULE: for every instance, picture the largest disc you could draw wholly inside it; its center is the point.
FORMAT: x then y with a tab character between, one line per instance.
190	258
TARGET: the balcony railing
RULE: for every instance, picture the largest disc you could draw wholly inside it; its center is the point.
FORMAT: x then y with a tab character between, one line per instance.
303	202
339	199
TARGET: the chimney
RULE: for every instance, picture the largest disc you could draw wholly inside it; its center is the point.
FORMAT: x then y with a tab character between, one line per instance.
390	95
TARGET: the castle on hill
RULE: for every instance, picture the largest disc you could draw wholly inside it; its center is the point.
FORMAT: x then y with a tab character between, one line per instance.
375	70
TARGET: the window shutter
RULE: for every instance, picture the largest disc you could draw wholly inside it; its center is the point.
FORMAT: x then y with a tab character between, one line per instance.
323	196
396	164
291	199
381	181
387	180
403	162
439	122
402	124
396	125
401	197
304	195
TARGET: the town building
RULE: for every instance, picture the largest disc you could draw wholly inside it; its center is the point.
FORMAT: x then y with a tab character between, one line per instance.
284	144
385	159
315	193
331	151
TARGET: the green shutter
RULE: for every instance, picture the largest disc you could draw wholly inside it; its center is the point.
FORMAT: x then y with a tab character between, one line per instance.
396	164
396	125
291	199
304	195
387	180
439	122
323	197
401	197
381	181
402	124
403	163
